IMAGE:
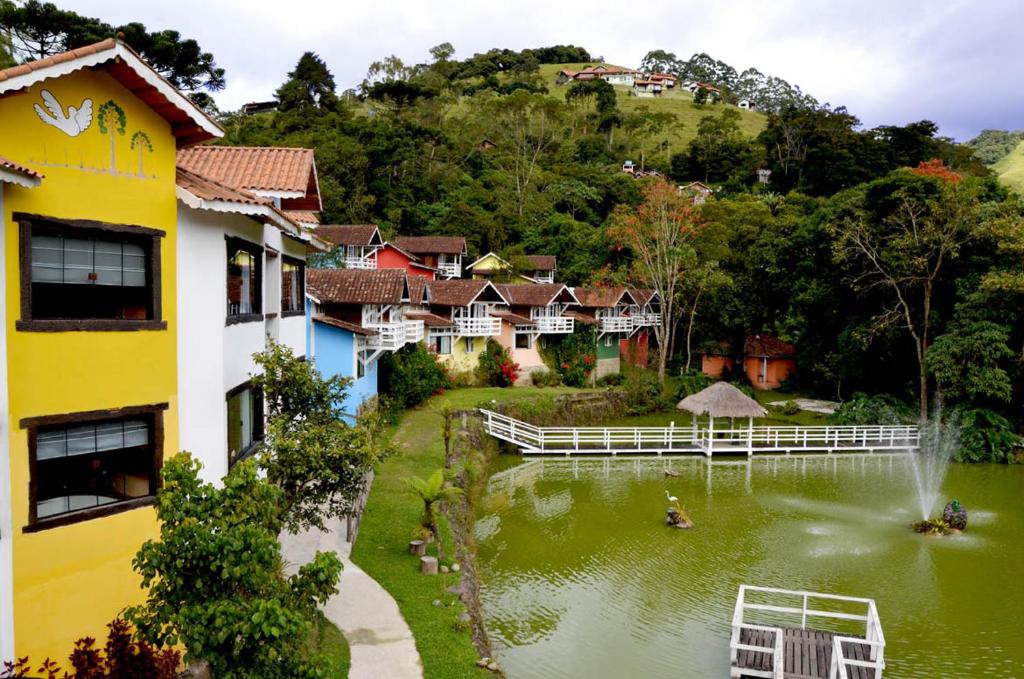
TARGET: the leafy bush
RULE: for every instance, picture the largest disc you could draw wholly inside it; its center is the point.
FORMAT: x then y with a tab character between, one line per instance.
692	382
215	576
985	436
612	380
790	408
644	393
463	379
410	376
877	409
122	657
545	378
573	356
496	368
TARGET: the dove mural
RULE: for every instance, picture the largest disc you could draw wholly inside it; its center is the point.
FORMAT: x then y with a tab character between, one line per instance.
73	123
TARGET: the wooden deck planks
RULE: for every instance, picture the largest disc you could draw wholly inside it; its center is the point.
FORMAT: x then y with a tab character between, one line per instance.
807	654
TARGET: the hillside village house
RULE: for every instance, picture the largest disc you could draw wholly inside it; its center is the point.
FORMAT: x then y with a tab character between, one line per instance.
254	253
647	88
608	309
390	256
616	75
443	253
542	268
464	306
355	316
88	349
645	315
698	192
357	243
768	361
666	80
535	268
533	311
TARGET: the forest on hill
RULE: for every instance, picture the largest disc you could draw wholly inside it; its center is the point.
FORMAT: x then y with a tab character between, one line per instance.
891	257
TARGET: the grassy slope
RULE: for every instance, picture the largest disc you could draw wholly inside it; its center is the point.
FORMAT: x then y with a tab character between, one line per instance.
1011	168
679	102
393	513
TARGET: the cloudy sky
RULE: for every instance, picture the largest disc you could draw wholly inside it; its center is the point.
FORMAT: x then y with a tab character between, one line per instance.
957	62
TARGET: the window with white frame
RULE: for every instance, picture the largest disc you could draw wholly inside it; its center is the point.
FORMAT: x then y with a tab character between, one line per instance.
470	345
443	345
524	339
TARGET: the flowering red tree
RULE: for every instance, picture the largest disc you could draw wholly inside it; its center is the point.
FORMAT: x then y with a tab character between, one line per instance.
660	232
936	168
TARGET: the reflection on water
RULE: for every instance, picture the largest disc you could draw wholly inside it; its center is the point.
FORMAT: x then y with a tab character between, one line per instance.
582	578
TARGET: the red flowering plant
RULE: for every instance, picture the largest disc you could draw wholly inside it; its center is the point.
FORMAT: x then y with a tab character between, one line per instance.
573	355
496	367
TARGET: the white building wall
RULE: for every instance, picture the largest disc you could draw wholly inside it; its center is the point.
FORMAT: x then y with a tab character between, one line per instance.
6	554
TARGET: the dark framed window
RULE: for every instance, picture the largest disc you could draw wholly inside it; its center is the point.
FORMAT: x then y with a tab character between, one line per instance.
293	287
245	421
88	275
524	340
245	281
85	465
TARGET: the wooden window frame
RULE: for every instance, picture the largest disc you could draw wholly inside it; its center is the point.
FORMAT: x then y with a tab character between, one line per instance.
301	311
154	414
149	236
256	250
258	432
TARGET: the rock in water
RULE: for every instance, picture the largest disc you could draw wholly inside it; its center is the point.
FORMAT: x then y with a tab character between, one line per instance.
955	515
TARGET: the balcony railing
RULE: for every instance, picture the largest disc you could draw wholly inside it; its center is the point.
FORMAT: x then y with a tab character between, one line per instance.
450	270
643	320
616	324
369	262
553	325
478	327
393	336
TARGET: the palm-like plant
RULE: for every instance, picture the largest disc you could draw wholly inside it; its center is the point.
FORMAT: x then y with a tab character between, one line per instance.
432	490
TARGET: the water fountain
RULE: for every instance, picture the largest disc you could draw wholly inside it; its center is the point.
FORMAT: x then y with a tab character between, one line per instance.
939	443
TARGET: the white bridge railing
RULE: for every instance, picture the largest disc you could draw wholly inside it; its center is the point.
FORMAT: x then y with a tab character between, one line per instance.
692	439
828	607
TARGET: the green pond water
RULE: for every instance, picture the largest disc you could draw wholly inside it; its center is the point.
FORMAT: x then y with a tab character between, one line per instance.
581	578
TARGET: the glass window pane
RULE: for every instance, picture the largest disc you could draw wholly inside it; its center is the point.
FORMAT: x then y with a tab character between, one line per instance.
108	263
47	259
50	444
81	440
78	260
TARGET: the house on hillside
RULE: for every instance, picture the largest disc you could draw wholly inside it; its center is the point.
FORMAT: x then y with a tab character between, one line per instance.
747	105
444	253
542	268
254	254
356	245
698	192
647	88
616	75
90	404
533	312
356	315
491	266
768	361
462	320
667	80
608	310
645	315
717	360
390	256
287	176
564	76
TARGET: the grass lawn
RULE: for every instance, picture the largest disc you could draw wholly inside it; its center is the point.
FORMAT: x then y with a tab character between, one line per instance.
391	518
1010	168
328	640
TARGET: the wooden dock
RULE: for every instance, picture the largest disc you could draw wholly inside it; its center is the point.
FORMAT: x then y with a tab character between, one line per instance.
766	642
807	654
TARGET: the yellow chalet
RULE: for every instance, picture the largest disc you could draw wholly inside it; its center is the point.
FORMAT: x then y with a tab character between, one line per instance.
89	408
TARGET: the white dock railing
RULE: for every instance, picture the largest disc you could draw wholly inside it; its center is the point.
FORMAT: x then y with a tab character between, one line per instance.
693	439
873	638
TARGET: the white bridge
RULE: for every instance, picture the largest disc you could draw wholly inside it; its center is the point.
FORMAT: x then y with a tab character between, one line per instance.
673	440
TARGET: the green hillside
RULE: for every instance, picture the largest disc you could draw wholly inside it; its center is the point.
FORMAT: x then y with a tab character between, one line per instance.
679	102
1011	168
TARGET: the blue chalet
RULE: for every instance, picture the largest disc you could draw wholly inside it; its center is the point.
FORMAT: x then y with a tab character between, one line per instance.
355	315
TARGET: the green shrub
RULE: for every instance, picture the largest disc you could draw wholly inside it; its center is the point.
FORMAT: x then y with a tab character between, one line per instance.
463	379
410	376
790	408
877	409
573	356
612	380
545	378
985	436
496	367
644	393
692	382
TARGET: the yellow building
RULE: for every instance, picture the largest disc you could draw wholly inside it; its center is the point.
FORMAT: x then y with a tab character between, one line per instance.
491	266
88	202
461	321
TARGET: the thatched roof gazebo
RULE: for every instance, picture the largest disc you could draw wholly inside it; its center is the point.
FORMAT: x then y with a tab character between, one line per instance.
722	399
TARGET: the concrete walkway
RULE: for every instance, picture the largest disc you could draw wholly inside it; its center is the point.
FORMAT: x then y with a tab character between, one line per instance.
380	640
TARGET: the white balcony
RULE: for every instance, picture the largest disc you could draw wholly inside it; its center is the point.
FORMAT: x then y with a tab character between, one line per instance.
645	320
616	324
544	277
554	325
478	327
393	336
450	269
361	262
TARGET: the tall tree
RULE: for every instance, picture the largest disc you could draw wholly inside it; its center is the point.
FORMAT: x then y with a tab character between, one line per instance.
310	85
660	232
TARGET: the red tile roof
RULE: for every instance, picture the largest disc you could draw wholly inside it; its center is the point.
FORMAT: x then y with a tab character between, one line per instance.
512	318
430	320
531	294
602	298
12	166
63	57
307	217
344	325
767	346
209	189
642	295
251	167
541	262
356	286
348	234
589	319
456	292
417	289
432	245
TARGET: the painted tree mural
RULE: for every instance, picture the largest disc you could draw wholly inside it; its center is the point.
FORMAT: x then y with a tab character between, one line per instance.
140	141
112	122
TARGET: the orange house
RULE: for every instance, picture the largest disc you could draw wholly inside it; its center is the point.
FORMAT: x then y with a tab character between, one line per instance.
390	256
714	365
768	361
